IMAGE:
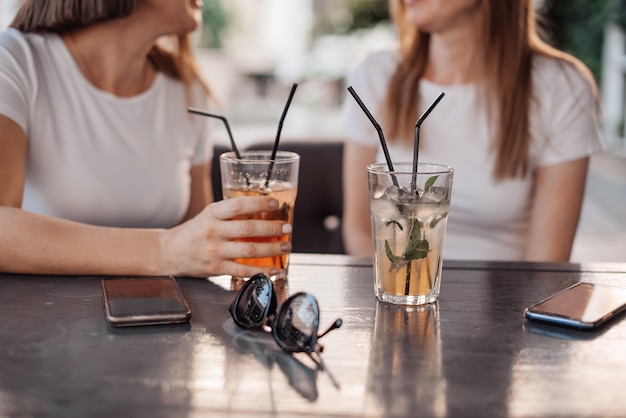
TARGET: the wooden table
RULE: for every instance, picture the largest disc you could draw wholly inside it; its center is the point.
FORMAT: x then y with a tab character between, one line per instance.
470	355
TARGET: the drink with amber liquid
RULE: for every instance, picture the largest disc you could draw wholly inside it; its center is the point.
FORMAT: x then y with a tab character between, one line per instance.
285	193
248	176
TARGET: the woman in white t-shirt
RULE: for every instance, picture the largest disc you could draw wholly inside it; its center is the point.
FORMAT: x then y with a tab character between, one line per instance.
102	169
517	123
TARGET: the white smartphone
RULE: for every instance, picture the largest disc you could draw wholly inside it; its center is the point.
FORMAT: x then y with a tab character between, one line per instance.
583	306
131	301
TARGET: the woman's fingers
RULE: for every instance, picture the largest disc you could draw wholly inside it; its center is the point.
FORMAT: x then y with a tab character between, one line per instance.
210	243
245	205
220	259
237	249
254	228
242	228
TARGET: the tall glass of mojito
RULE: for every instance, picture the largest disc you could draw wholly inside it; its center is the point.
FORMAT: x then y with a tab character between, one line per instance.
409	213
257	174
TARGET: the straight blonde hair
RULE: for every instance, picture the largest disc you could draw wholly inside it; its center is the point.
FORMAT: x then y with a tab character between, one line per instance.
510	36
173	56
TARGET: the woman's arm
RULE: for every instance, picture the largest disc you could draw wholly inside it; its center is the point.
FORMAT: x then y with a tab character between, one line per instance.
36	244
201	194
356	228
203	246
13	150
557	202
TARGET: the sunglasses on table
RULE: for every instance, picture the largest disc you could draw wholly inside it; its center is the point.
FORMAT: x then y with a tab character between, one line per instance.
294	325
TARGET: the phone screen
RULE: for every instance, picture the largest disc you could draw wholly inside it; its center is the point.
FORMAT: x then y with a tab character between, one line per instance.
142	301
584	305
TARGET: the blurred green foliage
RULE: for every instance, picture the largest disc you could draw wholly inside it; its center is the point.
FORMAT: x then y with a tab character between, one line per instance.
215	21
577	26
345	16
368	13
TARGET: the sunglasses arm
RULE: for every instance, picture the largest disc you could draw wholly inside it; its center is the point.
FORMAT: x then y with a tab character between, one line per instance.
333	326
319	347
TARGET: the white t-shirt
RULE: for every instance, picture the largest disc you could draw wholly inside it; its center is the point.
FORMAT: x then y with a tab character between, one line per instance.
92	156
488	219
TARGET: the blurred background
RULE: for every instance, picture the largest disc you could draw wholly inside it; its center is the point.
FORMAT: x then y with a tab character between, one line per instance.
252	51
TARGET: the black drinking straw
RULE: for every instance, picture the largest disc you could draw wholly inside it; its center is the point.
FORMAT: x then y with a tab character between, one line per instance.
223	119
416	143
381	136
280	128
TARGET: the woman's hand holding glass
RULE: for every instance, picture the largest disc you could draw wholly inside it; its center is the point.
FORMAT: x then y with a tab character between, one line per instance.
205	246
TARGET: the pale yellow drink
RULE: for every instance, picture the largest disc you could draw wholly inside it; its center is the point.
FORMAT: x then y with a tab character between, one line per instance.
409	214
408	245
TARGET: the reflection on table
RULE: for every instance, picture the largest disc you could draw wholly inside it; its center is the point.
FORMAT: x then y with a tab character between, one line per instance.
398	330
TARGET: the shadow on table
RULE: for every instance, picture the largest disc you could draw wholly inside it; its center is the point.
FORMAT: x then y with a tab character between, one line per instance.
300	376
301	373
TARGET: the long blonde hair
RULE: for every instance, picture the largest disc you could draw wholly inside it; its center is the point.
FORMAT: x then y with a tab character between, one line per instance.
510	36
60	16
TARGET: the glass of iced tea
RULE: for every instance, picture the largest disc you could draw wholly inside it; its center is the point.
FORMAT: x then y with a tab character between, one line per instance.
409	212
257	174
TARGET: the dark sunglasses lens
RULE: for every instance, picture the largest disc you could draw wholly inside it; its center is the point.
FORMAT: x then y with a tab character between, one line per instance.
254	302
295	328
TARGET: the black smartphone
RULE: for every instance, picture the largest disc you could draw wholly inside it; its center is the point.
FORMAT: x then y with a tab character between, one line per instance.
131	301
583	306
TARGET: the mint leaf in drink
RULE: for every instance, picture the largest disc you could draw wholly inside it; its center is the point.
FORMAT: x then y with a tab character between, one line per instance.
414	236
416	247
435	221
397	262
429	183
394	222
419	251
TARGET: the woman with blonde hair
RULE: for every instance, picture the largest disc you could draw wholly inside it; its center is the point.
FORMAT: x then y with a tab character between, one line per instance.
102	169
517	124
